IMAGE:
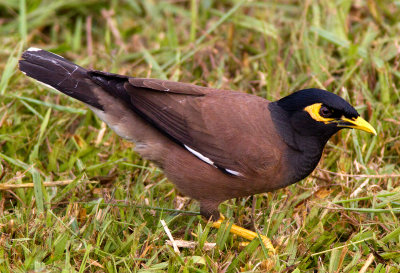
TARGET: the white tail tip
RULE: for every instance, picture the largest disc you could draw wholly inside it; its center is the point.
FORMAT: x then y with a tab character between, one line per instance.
33	49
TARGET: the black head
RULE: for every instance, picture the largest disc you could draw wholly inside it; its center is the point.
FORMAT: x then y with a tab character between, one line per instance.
305	120
316	112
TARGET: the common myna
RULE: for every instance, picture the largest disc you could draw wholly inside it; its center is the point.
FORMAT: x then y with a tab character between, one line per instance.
212	144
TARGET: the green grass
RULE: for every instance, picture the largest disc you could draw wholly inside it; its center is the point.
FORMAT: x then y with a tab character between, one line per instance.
327	223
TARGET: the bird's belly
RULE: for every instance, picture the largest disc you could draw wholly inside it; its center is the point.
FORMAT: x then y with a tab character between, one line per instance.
202	181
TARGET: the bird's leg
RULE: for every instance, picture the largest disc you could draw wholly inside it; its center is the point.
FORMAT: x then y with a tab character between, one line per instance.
247	234
209	210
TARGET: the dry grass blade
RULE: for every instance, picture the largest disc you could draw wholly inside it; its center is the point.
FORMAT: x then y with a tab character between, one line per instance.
191	244
368	262
377	176
174	245
6	186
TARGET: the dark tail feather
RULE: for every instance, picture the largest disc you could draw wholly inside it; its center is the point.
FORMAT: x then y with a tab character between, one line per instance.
63	75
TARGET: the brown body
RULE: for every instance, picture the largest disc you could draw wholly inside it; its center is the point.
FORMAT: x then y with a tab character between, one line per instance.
258	158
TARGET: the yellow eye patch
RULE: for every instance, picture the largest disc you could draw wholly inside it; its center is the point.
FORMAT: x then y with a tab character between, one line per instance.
313	110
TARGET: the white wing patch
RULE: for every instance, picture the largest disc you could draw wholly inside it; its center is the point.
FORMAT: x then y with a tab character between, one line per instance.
209	161
233	172
200	156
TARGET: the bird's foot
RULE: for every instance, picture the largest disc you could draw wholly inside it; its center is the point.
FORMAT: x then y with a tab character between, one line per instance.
248	234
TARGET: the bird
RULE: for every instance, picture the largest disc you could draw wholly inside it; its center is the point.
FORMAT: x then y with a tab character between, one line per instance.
213	144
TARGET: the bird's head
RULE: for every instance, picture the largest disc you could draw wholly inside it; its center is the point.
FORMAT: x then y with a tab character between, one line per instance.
316	112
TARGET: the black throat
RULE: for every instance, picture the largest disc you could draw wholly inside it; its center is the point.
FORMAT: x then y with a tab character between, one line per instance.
303	150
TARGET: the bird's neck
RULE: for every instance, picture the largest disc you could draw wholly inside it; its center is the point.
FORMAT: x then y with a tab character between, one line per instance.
304	160
303	152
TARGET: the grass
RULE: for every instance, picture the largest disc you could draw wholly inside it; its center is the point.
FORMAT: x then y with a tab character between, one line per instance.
107	216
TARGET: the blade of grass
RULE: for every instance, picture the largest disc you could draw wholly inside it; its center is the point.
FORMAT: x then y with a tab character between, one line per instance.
342	246
38	189
22	20
220	21
77	38
34	154
153	63
51	105
193	20
370	210
207	33
37	181
364	198
30	108
85	258
394	235
10	68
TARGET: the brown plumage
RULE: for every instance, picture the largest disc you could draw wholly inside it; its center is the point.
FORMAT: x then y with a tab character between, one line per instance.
212	144
192	115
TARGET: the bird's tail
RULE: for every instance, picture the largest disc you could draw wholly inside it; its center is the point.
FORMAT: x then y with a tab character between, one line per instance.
59	73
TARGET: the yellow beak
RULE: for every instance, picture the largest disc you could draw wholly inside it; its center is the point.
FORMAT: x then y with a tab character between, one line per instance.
357	123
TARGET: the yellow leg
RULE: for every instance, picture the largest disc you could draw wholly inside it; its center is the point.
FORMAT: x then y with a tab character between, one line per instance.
247	234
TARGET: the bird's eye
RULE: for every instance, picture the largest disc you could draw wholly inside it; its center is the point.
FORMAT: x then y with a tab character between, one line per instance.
325	111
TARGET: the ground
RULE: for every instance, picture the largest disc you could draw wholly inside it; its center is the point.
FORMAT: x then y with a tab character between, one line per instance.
104	208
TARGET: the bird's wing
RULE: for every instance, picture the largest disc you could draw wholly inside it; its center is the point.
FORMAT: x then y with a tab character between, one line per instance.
229	130
170	86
